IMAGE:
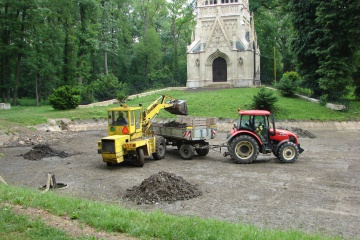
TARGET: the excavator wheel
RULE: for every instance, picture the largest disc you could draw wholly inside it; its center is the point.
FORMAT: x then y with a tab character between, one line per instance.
243	149
140	158
187	151
288	152
160	148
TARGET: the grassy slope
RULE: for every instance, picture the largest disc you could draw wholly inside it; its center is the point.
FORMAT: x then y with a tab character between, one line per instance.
220	104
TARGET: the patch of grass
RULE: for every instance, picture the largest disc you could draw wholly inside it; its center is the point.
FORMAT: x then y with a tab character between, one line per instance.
221	104
145	225
14	226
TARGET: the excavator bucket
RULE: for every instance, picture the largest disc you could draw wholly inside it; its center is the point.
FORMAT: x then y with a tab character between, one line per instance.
179	107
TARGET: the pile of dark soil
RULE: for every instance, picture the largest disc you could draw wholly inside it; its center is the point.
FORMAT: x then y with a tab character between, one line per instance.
175	124
299	131
162	187
41	151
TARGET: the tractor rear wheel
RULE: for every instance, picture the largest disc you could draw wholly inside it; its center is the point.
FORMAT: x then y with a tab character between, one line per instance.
288	152
140	158
160	148
187	151
243	149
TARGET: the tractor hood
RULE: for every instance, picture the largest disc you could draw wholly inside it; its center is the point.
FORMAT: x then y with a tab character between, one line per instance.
282	134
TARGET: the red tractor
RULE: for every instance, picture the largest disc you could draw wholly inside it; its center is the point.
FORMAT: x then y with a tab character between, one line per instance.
255	132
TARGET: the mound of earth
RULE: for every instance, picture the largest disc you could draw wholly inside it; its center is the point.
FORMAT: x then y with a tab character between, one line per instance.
162	187
41	151
175	124
299	131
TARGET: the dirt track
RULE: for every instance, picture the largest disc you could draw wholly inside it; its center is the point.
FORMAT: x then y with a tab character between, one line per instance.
319	193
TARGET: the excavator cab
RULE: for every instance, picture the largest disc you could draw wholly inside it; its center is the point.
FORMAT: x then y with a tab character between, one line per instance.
124	121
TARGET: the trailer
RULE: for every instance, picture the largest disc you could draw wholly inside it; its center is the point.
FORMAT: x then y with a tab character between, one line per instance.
188	134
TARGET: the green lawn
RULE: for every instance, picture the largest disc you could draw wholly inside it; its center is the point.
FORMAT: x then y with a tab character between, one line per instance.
221	104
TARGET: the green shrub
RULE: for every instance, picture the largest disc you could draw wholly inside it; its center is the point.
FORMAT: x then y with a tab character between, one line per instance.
65	97
87	95
107	87
288	84
121	96
265	100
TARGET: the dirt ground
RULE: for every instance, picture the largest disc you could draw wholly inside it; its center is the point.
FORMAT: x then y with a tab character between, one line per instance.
320	192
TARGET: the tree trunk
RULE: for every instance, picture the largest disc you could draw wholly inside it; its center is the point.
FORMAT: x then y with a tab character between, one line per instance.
36	89
105	63
17	77
5	57
147	71
66	58
18	63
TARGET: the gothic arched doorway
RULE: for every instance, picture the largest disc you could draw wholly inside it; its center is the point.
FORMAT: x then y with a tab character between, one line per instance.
219	70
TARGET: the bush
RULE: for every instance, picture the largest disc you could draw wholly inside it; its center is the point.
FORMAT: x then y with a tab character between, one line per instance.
121	96
265	100
87	95
65	97
107	87
288	84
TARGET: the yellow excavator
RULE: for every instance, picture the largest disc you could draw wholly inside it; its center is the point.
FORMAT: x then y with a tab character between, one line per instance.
130	137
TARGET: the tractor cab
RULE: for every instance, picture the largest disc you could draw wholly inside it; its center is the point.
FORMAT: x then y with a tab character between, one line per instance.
257	122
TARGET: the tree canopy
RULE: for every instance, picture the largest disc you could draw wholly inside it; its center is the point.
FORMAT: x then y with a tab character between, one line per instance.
142	44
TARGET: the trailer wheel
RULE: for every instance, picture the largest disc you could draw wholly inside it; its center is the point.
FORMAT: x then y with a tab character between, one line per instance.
288	152
186	151
160	148
140	158
243	149
203	151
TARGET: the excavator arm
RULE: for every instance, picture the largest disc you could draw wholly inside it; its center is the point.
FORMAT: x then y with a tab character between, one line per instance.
170	104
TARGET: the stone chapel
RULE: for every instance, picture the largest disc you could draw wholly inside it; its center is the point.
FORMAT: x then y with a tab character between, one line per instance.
224	50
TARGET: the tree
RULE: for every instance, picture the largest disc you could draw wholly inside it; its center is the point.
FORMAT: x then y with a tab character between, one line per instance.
87	36
148	50
6	27
326	39
182	18
335	49
274	31
306	33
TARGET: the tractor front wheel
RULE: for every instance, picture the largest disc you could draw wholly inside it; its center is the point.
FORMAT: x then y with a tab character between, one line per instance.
288	152
243	149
